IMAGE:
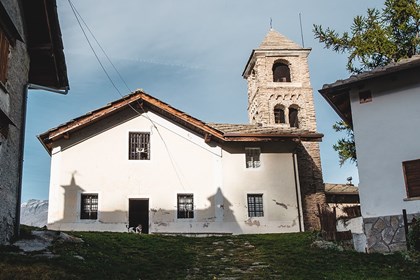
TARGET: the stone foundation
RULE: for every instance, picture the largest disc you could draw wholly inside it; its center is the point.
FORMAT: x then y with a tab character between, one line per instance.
385	234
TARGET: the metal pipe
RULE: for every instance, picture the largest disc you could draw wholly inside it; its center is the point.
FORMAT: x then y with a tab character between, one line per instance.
297	188
35	86
22	150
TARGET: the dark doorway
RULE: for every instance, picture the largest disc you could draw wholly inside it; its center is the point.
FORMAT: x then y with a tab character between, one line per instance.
138	213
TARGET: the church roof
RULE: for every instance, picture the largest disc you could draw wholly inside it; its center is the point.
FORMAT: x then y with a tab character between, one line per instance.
141	102
275	40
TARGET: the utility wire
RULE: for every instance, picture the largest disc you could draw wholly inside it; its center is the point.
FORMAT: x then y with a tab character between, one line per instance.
79	19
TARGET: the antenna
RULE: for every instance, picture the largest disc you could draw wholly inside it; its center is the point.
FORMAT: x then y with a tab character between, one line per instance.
301	30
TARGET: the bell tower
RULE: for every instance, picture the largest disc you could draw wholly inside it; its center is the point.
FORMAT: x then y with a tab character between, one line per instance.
280	95
279	87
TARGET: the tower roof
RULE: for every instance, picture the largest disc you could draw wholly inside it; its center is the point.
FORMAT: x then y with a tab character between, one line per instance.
275	40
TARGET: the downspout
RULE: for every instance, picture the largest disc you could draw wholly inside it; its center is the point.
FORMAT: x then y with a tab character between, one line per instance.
22	150
297	188
22	144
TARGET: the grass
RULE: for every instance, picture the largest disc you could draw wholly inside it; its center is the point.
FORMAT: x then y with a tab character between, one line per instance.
270	256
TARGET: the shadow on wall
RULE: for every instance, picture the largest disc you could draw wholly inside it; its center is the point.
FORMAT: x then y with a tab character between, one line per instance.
217	217
311	182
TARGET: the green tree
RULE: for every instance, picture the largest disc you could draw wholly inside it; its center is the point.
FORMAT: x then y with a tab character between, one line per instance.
380	37
345	146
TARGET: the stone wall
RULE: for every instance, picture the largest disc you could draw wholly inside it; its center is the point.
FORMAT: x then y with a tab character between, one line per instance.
13	104
311	183
385	234
264	95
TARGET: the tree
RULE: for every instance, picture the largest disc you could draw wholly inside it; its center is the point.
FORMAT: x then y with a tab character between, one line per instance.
380	37
345	146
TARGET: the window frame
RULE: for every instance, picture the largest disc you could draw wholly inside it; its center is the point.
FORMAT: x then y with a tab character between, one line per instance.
250	162
255	204
279	114
412	177
4	55
185	212
295	123
91	213
137	150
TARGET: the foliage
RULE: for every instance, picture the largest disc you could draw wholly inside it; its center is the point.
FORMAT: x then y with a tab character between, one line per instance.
345	146
380	37
266	256
414	235
377	38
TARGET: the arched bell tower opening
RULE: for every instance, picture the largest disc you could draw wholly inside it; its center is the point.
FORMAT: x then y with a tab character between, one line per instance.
281	72
280	95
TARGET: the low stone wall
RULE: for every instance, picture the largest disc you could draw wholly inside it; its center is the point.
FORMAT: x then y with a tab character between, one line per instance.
385	234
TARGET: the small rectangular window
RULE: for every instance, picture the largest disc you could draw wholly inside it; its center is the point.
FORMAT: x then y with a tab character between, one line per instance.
252	157
411	171
4	55
139	146
185	206
89	206
365	96
255	205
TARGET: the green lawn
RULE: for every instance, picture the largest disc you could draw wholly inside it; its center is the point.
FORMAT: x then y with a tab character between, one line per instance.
270	256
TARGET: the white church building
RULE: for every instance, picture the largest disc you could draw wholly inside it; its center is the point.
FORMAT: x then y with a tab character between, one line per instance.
141	161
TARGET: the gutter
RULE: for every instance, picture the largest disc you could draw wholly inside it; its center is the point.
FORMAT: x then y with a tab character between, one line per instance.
297	188
22	144
35	86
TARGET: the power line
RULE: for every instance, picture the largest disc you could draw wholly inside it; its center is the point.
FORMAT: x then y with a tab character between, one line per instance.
77	16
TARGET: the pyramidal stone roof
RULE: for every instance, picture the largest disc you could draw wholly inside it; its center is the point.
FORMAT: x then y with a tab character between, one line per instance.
275	40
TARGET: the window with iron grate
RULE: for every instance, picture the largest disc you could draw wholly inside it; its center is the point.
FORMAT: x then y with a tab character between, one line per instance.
89	206
139	146
255	205
252	157
185	206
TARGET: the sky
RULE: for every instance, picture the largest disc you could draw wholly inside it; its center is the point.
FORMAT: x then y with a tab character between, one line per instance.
189	54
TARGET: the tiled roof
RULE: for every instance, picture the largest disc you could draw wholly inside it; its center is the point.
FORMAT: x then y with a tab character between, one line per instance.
341	189
142	102
231	129
337	94
403	64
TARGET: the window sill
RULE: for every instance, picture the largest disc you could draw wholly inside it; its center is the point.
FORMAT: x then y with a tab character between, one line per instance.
414	198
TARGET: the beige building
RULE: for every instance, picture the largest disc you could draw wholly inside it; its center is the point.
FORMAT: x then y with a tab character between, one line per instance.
140	161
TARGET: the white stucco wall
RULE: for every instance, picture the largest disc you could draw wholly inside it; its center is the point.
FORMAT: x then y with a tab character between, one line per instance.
386	133
96	161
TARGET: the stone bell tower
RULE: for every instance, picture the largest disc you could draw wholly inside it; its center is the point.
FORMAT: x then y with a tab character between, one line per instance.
280	95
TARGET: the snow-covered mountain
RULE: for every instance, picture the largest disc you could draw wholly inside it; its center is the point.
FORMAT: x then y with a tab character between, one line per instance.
34	213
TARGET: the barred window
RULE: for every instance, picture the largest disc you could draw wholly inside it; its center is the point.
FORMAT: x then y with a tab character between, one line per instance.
185	206
252	157
4	55
139	146
255	205
89	206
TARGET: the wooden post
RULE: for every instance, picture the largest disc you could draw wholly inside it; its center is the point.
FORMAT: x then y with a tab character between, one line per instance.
406	228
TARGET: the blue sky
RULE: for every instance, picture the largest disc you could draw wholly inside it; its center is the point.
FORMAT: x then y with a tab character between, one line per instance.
190	54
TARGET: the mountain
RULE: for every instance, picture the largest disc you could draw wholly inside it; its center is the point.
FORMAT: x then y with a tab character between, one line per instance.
34	213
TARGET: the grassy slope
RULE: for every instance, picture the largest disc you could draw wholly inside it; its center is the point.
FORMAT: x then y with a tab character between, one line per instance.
271	256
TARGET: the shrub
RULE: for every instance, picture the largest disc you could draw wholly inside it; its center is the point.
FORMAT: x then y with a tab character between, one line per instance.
414	235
